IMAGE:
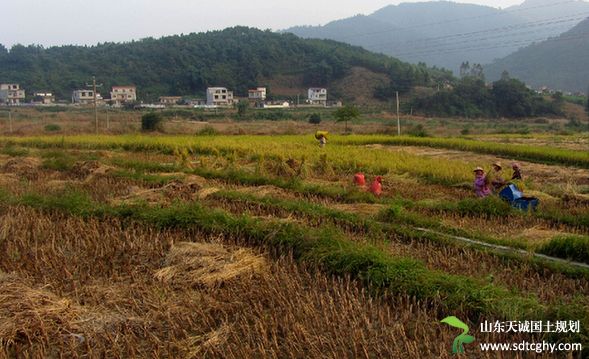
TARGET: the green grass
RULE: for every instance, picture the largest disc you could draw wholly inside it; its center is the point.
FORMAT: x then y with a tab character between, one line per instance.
58	160
14	151
568	247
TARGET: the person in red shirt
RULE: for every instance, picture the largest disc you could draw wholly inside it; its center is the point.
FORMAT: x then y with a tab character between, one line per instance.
376	186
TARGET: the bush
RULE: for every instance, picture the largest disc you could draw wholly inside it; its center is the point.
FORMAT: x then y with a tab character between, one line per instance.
152	121
315	118
568	247
242	107
418	131
52	127
58	161
207	131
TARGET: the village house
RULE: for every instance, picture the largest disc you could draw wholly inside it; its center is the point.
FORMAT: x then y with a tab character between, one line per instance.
43	98
123	94
197	102
317	96
170	100
11	94
85	97
219	96
256	95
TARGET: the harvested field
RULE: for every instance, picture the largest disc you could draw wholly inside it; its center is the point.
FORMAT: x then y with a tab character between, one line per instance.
249	247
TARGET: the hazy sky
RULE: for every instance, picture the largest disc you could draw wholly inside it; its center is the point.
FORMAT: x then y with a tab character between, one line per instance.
58	22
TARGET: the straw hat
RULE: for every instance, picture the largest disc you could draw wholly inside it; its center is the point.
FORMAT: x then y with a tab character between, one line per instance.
498	164
479	169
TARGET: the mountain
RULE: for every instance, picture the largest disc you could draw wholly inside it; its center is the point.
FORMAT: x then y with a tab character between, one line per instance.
538	10
444	33
559	63
238	58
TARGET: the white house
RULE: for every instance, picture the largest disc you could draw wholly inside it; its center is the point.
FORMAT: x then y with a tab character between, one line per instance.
123	94
85	97
44	98
11	94
317	96
219	96
258	94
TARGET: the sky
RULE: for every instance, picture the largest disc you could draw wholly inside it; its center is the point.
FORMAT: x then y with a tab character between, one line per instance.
87	22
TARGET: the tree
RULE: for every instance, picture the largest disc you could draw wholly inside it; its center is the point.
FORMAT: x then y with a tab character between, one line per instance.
242	107
464	69
346	113
152	121
512	98
315	118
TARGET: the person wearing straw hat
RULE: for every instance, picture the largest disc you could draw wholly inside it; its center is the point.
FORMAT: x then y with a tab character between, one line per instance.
496	177
481	186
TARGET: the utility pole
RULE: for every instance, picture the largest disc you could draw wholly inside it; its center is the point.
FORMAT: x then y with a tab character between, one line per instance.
94	86
398	118
10	120
107	120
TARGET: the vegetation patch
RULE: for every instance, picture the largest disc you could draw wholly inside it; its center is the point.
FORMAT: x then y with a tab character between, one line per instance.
570	247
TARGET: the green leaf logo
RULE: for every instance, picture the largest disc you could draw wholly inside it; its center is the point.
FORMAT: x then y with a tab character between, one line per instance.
464	338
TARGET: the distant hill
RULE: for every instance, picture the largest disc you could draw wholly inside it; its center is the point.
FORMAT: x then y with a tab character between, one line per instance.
534	10
445	34
560	62
238	58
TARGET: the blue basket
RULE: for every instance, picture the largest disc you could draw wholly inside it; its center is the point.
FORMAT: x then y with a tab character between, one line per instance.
516	199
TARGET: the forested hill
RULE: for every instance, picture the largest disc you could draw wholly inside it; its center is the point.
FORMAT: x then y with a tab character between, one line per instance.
560	62
237	58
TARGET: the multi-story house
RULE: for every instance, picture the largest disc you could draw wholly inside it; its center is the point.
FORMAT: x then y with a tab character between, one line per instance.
258	94
123	94
85	97
11	94
219	96
317	96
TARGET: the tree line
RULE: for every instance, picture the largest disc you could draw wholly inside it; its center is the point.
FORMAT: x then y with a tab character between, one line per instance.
185	65
472	97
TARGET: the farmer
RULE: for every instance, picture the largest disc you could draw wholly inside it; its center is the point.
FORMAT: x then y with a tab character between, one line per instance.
322	140
321	136
517	175
376	186
496	177
481	186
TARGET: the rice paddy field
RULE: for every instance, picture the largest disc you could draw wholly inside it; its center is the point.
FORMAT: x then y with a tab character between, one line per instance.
244	246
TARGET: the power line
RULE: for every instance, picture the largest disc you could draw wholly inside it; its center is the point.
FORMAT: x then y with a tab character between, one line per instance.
503	12
540	23
479	39
582	35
